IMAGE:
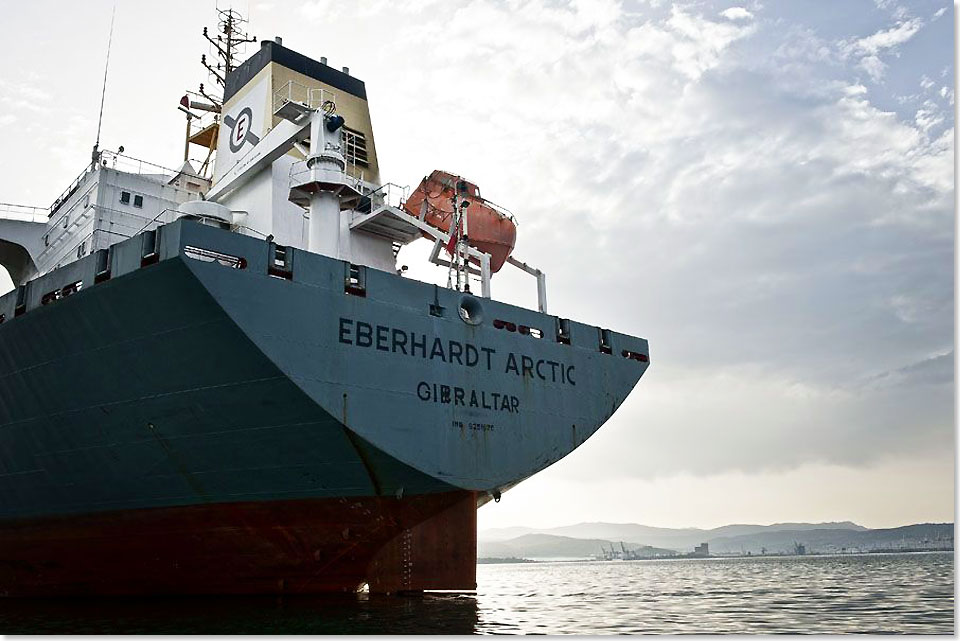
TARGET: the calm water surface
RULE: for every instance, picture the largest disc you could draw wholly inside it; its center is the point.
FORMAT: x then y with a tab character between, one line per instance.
906	593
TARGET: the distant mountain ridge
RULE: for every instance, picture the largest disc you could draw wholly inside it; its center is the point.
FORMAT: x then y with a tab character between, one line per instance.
586	539
536	546
657	536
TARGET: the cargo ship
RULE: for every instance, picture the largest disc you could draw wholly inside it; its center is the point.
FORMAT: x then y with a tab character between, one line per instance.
215	379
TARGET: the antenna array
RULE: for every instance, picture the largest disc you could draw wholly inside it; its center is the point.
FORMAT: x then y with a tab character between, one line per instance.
226	45
95	156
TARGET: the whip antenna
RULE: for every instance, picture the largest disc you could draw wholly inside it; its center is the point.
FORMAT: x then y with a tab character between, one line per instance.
96	146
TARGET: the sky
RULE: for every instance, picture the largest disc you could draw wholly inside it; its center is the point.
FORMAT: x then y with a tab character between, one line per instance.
763	190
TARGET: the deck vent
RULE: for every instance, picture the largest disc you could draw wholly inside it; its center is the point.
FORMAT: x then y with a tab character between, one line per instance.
280	263
605	345
149	247
103	265
563	331
355	281
21	305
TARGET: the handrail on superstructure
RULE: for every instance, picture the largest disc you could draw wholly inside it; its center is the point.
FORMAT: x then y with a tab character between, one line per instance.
386	194
25	213
127	166
309	97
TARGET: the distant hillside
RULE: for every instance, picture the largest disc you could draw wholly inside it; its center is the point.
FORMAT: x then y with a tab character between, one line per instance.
504	533
544	546
585	539
683	539
834	540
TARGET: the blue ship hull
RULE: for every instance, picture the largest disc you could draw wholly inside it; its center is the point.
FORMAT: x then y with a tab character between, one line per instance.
193	379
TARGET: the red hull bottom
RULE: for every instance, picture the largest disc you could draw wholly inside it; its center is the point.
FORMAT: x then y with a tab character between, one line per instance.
425	542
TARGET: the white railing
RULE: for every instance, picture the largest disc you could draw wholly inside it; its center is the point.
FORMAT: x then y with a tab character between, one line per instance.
114	160
26	213
310	97
130	165
300	173
389	194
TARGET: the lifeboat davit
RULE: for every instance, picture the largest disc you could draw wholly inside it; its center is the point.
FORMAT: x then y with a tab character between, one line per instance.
490	229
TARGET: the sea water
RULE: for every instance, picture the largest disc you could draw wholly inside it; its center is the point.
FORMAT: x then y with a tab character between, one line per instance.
869	593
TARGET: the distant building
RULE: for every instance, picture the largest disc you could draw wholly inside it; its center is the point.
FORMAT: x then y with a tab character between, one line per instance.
702	550
799	549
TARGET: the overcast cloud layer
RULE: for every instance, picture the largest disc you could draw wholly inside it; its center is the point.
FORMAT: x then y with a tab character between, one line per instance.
765	191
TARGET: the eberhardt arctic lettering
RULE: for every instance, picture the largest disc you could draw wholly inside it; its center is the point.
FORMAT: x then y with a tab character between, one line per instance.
407	343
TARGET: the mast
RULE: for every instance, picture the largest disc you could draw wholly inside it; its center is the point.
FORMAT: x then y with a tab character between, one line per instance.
230	39
95	155
227	45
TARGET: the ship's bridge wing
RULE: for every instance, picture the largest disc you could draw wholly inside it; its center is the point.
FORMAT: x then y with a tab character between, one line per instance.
21	229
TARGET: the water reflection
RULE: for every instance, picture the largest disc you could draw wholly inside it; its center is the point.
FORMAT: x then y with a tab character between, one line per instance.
347	614
872	593
907	593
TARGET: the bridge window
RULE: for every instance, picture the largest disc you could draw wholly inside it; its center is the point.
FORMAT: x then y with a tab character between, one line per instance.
138	200
124	197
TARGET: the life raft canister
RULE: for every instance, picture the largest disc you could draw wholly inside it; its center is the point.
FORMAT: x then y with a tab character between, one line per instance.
488	229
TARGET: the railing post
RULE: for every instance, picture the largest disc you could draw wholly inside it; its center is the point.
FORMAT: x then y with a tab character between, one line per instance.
485	275
542	291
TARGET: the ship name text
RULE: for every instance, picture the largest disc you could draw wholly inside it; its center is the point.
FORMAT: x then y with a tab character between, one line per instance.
400	341
453	395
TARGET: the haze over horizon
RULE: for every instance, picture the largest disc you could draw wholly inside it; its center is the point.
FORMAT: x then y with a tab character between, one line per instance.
521	526
765	191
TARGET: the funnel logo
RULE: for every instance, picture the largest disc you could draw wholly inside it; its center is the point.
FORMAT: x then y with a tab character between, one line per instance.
240	129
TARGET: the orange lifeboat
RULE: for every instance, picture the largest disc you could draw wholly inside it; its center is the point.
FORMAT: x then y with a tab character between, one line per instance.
489	228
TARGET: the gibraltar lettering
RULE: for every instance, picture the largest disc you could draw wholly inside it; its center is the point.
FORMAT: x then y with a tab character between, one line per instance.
451	394
418	345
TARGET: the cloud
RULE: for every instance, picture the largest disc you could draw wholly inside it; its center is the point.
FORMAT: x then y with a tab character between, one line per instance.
886	39
929	116
874	67
868	50
935	370
736	13
25	96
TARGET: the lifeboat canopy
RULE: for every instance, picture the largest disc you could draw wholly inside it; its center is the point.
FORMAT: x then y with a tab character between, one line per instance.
490	228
